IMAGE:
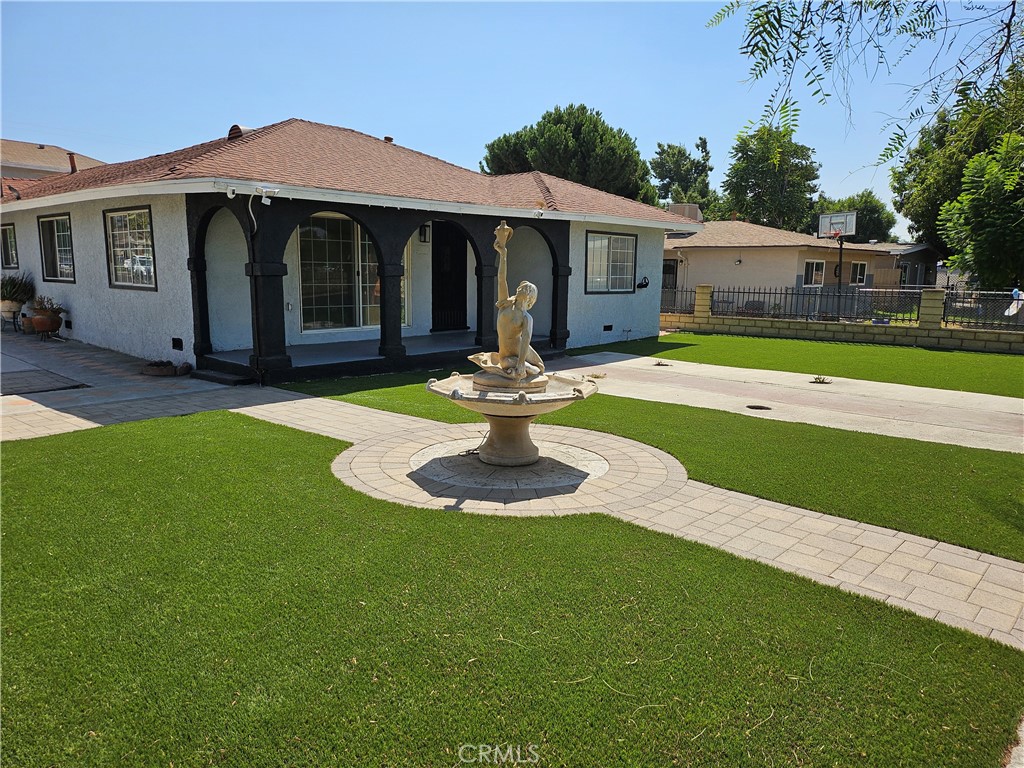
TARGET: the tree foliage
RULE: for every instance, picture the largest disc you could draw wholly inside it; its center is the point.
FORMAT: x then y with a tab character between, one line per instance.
826	43
574	143
682	177
772	179
984	225
932	171
874	219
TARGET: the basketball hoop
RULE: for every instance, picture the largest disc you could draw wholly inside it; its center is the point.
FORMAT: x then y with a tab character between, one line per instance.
836	234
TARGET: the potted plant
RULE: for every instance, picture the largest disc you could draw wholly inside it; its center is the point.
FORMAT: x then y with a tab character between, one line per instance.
15	289
46	315
166	368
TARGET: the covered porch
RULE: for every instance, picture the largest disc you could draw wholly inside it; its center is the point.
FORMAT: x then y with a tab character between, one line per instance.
302	289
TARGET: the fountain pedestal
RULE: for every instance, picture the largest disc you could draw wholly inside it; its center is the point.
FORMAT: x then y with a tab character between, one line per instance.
508	442
510	411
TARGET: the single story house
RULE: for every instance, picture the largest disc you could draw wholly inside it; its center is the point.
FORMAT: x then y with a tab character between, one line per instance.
301	249
28	160
740	254
917	263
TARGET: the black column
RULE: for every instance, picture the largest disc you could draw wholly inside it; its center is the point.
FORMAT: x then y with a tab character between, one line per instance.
390	275
265	269
560	316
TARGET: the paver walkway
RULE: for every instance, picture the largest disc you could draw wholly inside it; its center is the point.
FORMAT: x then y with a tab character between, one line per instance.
978	592
922	413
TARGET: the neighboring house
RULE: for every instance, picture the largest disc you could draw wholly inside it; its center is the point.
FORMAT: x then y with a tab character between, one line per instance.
25	160
917	263
303	249
740	254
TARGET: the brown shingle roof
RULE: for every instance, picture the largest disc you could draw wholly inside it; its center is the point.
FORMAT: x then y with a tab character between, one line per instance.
742	234
25	154
305	154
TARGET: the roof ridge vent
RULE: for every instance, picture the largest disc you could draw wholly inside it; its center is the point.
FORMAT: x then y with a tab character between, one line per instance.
238	131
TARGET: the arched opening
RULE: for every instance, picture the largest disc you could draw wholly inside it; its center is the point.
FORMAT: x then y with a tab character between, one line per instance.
332	289
530	258
227	286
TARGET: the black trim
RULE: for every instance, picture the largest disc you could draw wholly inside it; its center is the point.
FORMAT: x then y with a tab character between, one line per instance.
586	263
152	243
17	260
42	258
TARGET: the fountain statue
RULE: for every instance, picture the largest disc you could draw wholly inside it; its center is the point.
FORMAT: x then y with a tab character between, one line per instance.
511	389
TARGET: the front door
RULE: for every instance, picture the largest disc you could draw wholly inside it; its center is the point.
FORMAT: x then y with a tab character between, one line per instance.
448	278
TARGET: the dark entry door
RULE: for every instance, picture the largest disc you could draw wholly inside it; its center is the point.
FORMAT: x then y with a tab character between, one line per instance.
448	280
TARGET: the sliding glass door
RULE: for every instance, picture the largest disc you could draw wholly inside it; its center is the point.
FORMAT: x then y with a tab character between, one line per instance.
340	285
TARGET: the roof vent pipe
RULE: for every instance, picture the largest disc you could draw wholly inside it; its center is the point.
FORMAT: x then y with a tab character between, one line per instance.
74	165
389	139
238	131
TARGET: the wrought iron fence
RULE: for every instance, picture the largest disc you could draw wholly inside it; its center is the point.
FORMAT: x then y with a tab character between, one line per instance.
678	300
851	303
982	309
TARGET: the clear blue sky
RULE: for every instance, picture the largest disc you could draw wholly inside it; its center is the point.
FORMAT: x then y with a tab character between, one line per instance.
119	81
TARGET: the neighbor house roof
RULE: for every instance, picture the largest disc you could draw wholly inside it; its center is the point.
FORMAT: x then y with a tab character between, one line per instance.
44	157
302	154
742	234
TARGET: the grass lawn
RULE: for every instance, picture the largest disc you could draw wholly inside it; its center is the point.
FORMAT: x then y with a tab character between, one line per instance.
985	372
201	590
965	496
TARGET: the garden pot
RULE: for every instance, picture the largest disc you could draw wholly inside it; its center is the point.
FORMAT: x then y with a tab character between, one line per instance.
27	326
46	323
8	307
166	368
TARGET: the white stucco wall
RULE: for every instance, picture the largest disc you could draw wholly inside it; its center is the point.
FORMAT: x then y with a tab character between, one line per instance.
137	322
631	315
529	258
227	285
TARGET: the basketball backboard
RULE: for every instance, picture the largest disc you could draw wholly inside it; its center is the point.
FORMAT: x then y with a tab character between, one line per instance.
829	224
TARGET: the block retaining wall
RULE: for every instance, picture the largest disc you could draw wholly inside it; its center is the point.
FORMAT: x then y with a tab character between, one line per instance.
904	335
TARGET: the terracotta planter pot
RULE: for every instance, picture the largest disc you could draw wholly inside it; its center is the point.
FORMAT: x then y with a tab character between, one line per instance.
27	326
47	323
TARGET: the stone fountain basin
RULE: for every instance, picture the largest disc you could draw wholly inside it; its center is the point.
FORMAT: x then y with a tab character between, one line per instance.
560	392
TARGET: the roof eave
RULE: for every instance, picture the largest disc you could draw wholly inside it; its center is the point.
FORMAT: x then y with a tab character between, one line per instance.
249	187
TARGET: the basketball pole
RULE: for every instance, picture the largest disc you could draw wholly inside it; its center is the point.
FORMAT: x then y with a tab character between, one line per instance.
839	281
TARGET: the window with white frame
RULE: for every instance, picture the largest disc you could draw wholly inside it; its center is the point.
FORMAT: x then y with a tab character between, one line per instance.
814	273
55	248
10	246
130	258
611	263
858	272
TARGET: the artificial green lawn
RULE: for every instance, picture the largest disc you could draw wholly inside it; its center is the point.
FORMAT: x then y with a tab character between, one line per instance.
201	590
985	372
965	496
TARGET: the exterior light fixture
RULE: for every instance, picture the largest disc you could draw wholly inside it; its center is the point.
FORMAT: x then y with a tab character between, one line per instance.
266	194
424	233
738	262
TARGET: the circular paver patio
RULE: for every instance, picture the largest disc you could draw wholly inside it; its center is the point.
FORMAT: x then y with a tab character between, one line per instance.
579	471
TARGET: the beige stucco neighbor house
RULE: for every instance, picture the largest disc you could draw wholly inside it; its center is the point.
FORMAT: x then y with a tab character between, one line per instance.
29	160
740	254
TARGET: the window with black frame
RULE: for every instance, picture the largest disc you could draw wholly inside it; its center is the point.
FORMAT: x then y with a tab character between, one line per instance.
10	246
56	249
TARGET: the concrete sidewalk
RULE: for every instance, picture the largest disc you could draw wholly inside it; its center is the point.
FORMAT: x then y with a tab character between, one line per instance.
920	413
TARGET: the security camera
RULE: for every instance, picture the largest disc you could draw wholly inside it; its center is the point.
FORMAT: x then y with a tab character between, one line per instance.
231	193
538	213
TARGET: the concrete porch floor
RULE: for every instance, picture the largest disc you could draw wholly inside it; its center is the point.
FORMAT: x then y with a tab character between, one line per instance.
309	355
